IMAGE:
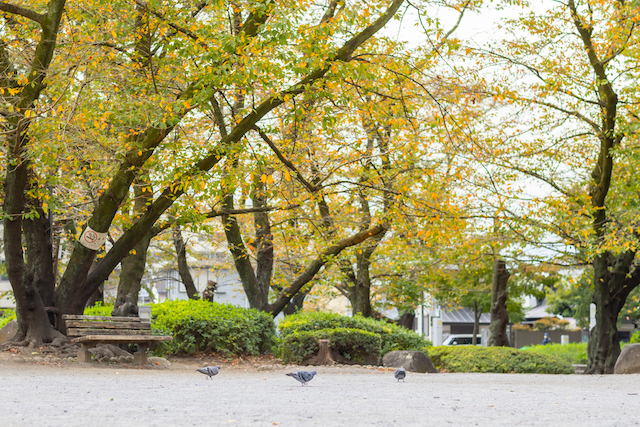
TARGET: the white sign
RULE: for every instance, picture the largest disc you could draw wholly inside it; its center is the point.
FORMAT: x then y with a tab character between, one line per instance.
92	239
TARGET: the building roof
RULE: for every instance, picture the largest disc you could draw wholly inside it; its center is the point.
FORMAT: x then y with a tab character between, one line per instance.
463	315
538	312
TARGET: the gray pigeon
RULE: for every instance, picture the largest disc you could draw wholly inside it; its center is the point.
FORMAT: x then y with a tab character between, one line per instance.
302	376
209	371
399	374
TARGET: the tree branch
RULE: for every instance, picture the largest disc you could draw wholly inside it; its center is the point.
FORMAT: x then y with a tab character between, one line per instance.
318	263
22	11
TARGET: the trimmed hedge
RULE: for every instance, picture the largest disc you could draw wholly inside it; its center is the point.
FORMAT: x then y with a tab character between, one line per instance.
496	360
352	344
393	337
203	326
574	353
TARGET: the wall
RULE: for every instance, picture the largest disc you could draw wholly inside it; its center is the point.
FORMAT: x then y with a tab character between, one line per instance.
527	338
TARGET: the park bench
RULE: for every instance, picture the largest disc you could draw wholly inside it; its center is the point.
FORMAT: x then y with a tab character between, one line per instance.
89	331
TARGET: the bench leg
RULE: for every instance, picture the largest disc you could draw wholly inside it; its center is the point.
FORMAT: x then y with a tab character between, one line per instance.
140	356
83	353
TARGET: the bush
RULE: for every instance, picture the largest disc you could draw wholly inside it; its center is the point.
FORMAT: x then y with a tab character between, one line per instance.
99	309
635	338
203	326
551	324
393	337
353	344
6	316
496	360
574	353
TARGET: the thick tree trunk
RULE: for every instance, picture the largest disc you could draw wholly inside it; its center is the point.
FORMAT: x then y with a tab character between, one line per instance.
183	266
34	326
499	315
614	278
132	270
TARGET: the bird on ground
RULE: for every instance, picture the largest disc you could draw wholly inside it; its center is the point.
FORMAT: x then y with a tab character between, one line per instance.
400	374
302	376
209	371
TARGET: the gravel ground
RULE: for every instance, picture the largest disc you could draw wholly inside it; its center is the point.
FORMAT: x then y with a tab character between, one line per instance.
96	394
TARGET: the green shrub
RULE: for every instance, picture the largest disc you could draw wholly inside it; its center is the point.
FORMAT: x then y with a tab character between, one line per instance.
6	316
99	309
635	338
496	360
353	344
202	326
574	353
393	337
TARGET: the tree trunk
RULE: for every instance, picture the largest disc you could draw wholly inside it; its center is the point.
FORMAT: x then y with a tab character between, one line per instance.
96	297
406	320
296	303
264	238
183	266
34	326
499	315
614	278
476	322
255	295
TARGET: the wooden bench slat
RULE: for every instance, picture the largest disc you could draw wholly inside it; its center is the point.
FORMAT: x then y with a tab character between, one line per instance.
123	338
104	318
75	332
106	325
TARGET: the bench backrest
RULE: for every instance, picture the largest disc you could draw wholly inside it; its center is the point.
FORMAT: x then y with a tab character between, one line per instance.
78	325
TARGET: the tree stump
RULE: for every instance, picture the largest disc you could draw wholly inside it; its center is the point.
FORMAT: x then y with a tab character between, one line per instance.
323	357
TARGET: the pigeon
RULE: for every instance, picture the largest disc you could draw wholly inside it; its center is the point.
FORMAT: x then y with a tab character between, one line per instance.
400	374
302	376
209	371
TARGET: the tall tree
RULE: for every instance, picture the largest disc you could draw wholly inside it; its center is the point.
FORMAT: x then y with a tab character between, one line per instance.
186	60
24	86
568	84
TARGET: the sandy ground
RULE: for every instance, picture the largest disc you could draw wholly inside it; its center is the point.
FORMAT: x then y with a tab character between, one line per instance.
257	393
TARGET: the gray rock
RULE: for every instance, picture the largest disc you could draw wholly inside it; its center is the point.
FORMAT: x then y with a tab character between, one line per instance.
158	361
413	361
629	360
60	341
108	350
8	331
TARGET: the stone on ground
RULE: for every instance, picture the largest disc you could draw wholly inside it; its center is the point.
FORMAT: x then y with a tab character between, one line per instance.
629	360
8	331
413	361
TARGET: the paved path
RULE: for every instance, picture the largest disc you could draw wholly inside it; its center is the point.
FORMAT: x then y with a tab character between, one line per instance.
94	395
